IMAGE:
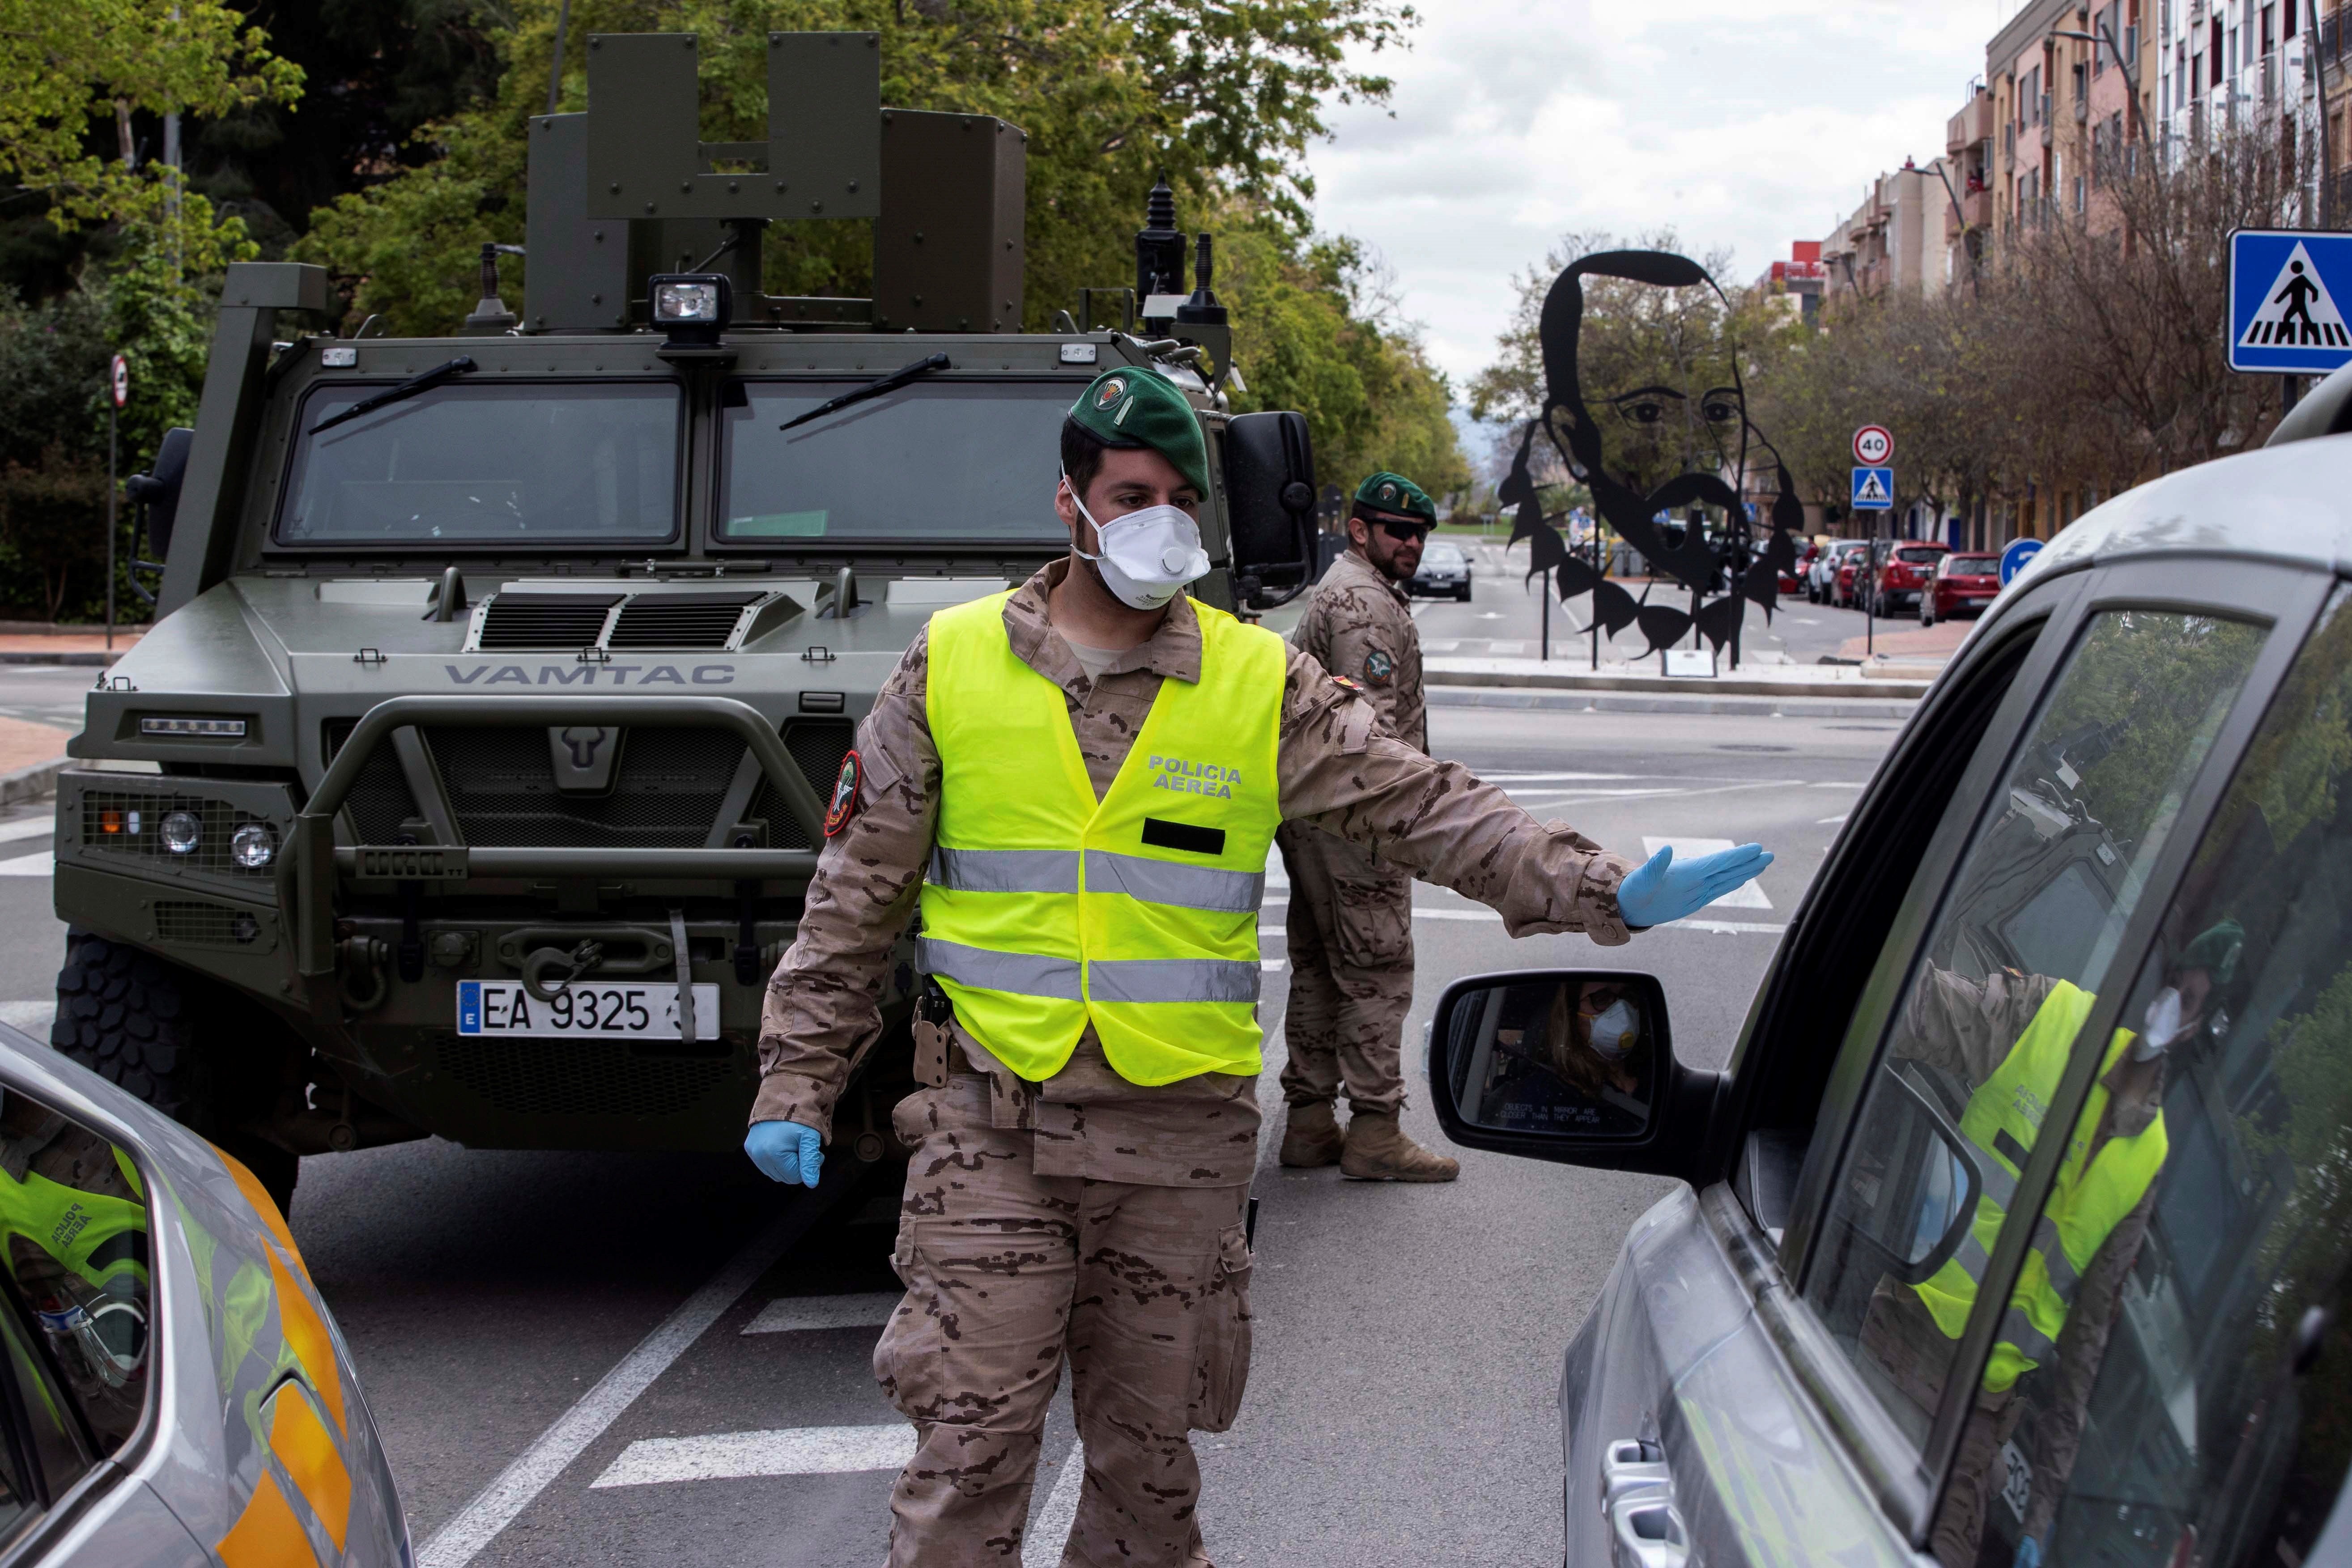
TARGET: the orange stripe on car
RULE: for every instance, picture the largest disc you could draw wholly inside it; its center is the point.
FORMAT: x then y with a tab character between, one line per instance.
303	1445
266	1534
306	1332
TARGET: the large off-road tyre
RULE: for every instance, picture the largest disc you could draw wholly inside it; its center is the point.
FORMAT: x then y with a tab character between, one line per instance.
157	1031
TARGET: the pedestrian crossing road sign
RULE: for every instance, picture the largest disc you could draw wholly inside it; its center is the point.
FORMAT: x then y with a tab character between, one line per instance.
1873	490
2287	290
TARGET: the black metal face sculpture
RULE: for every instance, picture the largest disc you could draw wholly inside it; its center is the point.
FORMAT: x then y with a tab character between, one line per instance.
1586	445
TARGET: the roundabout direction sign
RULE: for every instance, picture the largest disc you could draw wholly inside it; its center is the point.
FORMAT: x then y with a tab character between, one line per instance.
2014	556
1873	446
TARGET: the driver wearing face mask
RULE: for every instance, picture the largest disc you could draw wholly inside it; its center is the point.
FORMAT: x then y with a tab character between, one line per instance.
2010	1037
1076	783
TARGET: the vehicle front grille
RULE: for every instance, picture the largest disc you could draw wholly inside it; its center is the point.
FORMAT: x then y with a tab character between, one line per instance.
587	1077
667	787
545	620
203	924
127	824
817	745
381	799
679	620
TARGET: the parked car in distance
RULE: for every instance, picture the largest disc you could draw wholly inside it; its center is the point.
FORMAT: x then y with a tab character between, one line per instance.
1822	574
1445	572
1963	585
2011	1227
175	1391
1905	569
1852	580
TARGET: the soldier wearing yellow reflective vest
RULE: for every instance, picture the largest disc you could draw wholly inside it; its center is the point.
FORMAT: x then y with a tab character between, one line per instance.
1076	785
2012	1036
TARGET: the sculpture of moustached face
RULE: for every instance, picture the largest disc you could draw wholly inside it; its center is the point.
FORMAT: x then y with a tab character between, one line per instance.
1654	448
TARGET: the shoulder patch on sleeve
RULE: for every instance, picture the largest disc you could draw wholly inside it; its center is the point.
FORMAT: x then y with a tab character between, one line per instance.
1349	683
1379	667
844	804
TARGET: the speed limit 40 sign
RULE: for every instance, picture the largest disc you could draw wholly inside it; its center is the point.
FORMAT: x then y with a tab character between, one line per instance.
1873	446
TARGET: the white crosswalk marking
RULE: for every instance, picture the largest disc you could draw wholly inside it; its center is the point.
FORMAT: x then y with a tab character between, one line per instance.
794	1451
794	1314
41	865
33	1017
27	828
1747	896
1049	1533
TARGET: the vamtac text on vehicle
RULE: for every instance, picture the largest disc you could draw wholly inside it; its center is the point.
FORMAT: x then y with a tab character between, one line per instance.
471	776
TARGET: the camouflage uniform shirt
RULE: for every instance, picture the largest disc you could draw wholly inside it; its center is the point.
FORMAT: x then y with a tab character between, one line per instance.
1339	769
1360	625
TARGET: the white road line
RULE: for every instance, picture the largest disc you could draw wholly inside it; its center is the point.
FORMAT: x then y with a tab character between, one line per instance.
28	827
1050	1532
793	1314
1272	965
41	865
1726	928
1747	896
458	1541
1836	784
1420	913
796	1451
1832	821
33	1017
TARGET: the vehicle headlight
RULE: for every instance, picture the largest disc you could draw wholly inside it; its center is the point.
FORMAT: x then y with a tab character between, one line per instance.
253	845
180	831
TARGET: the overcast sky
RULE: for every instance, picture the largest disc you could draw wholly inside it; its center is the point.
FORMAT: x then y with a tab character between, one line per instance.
1743	123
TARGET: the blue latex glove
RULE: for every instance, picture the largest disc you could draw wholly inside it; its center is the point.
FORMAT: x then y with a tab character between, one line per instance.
785	1151
1663	889
2029	1554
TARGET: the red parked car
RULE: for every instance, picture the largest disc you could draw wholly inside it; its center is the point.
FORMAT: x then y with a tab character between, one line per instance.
1904	577
1961	582
1844	593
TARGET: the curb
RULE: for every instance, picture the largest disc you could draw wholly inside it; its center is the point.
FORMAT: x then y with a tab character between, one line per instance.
1523	700
1880	687
99	660
32	782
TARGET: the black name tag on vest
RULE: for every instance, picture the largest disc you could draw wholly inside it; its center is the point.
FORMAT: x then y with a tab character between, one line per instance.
1183	836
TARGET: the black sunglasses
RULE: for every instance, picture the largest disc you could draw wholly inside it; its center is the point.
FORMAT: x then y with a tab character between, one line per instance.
1402	531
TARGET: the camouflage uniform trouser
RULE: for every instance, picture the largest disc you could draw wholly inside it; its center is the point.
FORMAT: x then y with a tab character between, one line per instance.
1146	1291
1351	947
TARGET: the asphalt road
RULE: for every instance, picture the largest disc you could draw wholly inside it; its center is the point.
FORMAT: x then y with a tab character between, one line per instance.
544	1337
1504	619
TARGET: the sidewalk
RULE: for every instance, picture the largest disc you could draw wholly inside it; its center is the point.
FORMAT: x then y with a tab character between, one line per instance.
1753	679
31	755
22	644
1931	648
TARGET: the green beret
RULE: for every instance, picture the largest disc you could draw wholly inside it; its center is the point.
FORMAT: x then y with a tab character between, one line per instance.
1385	491
1130	407
2215	950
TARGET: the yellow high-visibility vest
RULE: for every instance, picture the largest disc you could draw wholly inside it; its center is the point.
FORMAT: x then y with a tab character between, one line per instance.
1045	910
2089	1199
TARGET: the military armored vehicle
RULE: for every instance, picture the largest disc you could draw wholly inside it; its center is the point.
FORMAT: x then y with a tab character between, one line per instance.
472	774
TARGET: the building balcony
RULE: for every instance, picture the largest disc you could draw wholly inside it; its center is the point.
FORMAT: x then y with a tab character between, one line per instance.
1969	126
1974	211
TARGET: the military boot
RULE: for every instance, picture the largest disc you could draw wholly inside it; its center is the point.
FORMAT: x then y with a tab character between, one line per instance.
1311	1136
1377	1151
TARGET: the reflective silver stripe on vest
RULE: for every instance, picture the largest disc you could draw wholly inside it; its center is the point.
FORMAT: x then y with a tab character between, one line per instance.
1998	1185
1174	980
1019	973
2018	1330
1004	871
2062	1278
1163	882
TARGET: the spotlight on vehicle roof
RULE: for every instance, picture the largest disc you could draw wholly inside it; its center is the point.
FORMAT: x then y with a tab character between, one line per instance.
691	306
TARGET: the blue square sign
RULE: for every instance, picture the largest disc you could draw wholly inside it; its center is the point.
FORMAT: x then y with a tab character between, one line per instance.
2288	289
1873	490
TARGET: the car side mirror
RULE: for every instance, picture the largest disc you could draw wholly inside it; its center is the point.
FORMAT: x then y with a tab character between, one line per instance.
1270	501
1912	1193
157	493
1571	1065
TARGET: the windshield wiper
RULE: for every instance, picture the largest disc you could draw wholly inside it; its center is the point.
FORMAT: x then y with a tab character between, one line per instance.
890	382
424	381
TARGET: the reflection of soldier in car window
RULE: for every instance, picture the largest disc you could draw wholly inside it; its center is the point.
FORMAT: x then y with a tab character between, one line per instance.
1571	1056
1994	1052
74	1239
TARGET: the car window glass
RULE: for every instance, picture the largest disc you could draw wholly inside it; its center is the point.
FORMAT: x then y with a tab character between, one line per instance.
48	1446
73	1220
2006	973
2194	1268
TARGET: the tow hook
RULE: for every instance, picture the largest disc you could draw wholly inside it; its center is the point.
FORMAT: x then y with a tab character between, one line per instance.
361	959
542	962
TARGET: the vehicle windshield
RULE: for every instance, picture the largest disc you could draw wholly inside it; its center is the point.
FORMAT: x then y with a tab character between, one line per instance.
1441	554
1917	557
502	463
967	461
1974	566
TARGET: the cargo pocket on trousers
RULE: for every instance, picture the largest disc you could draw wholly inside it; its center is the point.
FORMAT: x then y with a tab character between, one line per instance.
1222	1355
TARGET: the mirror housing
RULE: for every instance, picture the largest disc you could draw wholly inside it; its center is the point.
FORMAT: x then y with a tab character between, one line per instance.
1928	1179
1677	1100
157	493
1270	501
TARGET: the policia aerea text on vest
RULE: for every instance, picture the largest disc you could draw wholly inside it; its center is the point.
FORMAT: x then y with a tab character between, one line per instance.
1078	783
2012	1036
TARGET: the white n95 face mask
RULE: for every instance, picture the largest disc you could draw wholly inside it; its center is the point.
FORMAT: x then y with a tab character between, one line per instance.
1147	555
2161	1027
1613	1031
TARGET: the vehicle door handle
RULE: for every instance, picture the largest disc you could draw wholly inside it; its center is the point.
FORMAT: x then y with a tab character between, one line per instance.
1632	1465
1648	1532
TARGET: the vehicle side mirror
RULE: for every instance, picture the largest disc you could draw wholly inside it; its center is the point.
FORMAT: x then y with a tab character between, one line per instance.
1572	1065
1912	1194
157	493
1270	500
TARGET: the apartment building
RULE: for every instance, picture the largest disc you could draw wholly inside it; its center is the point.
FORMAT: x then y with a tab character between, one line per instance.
1893	239
2242	63
2073	88
1970	164
2326	55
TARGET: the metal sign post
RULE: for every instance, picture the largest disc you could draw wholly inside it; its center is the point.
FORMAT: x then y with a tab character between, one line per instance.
118	393
1873	491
